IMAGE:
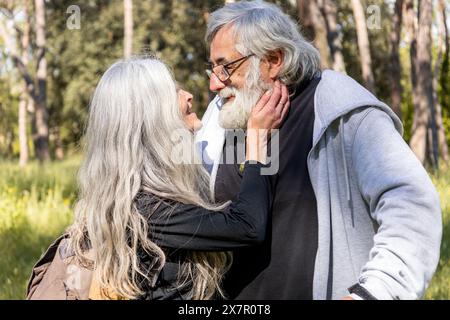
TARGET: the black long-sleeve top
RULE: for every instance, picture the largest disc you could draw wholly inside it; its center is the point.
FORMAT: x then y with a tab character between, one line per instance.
178	228
282	267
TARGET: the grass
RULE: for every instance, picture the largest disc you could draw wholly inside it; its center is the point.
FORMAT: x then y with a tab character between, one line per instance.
36	206
439	288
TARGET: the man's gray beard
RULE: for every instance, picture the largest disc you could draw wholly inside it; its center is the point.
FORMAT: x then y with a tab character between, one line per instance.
235	114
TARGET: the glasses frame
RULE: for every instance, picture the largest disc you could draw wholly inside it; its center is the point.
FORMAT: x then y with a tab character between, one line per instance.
225	68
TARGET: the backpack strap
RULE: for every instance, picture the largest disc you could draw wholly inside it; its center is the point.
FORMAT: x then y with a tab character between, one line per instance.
42	265
58	275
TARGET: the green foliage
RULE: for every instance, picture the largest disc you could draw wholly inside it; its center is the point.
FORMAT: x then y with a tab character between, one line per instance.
444	94
173	30
36	206
8	116
440	285
77	58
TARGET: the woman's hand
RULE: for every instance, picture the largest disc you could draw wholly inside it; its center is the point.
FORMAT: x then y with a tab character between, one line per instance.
268	114
271	109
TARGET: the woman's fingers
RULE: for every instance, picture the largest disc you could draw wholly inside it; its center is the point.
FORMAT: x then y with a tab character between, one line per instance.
282	107
271	109
267	104
284	98
285	110
283	114
275	97
262	101
270	99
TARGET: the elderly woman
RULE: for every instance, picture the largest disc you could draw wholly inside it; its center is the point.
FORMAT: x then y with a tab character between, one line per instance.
155	231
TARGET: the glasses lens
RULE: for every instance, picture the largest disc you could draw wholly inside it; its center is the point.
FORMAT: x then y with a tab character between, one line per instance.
221	73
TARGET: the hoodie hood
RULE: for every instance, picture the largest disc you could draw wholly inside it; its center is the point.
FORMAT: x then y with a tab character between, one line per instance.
336	95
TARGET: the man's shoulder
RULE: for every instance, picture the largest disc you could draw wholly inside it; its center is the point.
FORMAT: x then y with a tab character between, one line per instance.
337	90
356	117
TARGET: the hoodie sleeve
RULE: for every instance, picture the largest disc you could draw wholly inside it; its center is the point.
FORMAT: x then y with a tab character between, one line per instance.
404	203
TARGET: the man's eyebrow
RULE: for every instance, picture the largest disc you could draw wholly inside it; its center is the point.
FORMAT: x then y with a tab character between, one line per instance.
220	60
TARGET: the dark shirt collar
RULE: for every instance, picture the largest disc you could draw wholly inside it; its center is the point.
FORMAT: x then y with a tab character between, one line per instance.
297	89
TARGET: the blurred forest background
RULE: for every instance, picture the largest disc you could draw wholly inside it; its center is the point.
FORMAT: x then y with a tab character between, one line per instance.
52	53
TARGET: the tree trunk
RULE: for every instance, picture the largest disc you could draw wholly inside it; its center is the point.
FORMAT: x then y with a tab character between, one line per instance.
411	26
41	115
10	42
305	19
425	113
59	150
443	52
23	141
329	11
363	45
420	119
128	27
309	12
396	93
24	98
442	139
9	142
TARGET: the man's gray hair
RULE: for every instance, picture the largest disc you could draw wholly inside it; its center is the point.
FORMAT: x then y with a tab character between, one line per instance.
260	28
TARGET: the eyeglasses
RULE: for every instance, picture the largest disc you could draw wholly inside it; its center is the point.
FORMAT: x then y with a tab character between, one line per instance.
223	72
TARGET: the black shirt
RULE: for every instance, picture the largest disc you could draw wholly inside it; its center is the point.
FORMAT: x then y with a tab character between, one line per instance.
178	228
283	266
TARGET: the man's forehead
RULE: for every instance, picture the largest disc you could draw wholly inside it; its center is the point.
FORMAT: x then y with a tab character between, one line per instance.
223	46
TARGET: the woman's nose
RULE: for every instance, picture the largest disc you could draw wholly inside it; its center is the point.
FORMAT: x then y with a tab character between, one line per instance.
187	95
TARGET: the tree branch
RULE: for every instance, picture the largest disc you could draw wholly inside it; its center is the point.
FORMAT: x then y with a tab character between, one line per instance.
17	60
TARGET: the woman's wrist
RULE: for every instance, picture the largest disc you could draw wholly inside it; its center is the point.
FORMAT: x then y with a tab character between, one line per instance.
256	145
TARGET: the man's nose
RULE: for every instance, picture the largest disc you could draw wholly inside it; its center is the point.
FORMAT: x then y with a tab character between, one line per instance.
215	84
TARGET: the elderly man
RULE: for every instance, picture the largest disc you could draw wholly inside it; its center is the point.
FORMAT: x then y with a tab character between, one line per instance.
354	214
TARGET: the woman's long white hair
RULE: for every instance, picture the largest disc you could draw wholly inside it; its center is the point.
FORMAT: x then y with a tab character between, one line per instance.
133	113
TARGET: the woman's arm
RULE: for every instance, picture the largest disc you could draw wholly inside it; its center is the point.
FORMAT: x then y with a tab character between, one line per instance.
244	222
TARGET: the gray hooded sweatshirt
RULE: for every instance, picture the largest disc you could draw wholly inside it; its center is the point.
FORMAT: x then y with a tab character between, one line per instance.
379	218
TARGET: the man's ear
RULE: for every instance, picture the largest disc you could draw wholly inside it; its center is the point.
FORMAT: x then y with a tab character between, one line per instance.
275	62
